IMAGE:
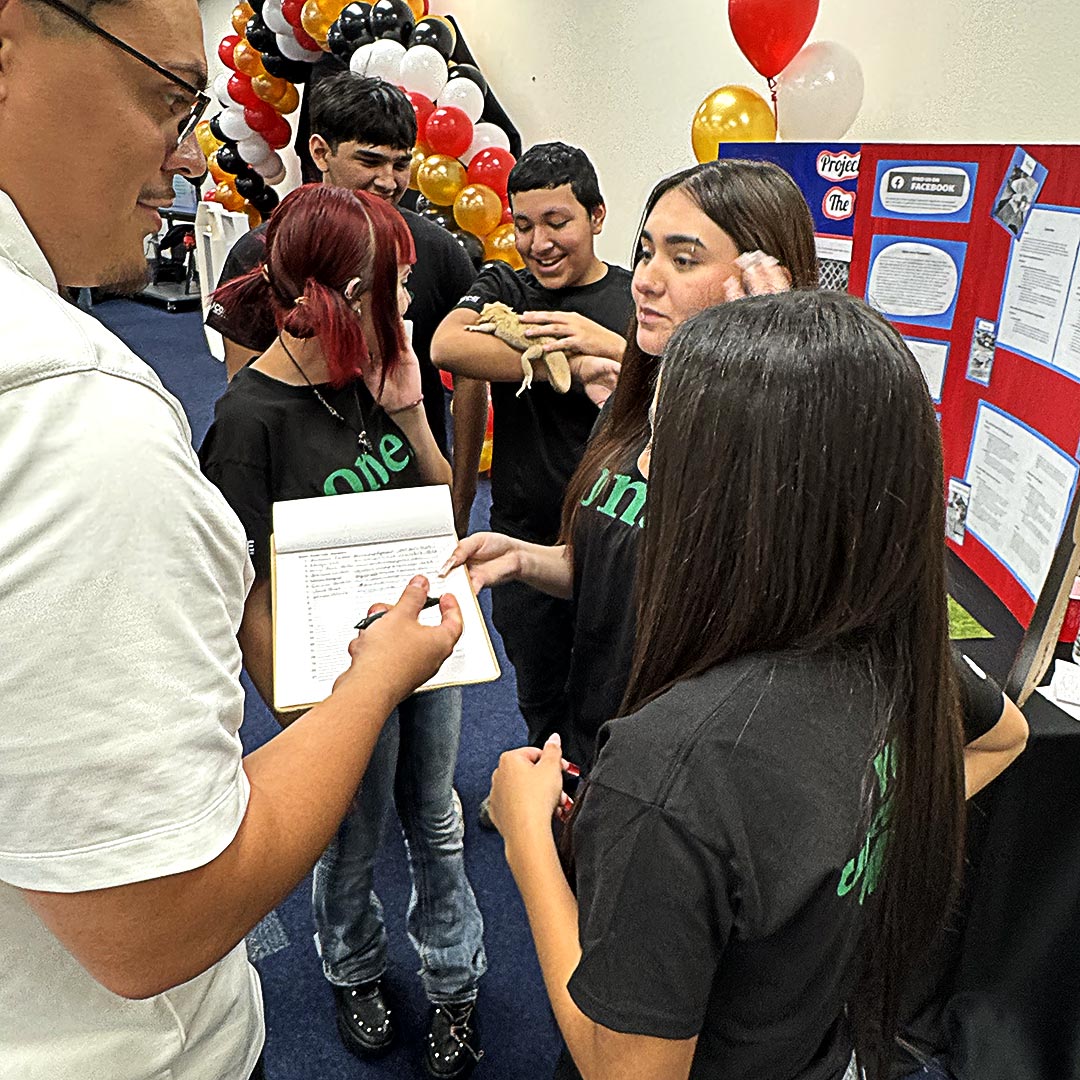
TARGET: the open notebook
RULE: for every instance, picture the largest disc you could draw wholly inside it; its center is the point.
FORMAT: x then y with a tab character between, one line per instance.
335	556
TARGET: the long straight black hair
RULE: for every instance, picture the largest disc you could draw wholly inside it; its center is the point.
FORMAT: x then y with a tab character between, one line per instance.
796	471
761	208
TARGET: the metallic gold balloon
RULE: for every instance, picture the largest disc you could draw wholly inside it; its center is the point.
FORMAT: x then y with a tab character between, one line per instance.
477	209
269	88
316	21
419	8
248	59
418	156
240	15
205	138
731	114
217	172
499	244
289	101
440	179
253	215
229	197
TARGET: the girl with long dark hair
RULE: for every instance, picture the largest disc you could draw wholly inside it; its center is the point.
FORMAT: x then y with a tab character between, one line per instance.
334	405
772	830
709	234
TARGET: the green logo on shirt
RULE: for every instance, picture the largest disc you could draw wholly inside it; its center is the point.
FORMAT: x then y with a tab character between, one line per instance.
631	511
369	473
864	870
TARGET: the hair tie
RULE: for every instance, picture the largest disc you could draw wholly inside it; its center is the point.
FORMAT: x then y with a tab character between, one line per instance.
300	300
265	274
352	287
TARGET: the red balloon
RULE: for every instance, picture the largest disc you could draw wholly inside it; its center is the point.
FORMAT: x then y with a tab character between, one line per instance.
305	40
448	131
492	167
261	118
291	10
771	32
278	134
423	107
241	92
508	216
225	50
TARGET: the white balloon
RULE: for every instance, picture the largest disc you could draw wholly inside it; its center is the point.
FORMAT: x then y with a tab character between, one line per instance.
221	90
291	49
465	95
254	149
379	60
273	17
819	93
484	135
276	178
423	70
233	125
271	166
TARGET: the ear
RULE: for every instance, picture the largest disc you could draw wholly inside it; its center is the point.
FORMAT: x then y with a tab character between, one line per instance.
596	219
320	151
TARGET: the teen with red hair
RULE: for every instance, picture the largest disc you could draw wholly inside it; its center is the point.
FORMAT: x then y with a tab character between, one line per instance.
334	405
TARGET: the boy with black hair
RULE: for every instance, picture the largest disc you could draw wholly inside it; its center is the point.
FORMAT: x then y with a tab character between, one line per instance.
567	292
362	133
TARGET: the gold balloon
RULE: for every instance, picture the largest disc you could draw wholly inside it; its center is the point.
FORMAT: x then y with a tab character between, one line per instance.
269	88
217	172
418	8
440	178
289	101
499	244
731	114
205	138
418	156
477	209
248	59
316	21
229	197
240	16
253	215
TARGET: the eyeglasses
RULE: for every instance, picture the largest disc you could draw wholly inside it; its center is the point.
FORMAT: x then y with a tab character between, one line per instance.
201	101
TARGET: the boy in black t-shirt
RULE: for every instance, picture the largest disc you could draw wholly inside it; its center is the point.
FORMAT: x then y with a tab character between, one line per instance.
567	292
363	131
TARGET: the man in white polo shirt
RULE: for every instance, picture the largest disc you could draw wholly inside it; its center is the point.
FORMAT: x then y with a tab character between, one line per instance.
136	847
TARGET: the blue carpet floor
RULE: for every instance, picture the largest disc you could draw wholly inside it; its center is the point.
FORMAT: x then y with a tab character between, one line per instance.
520	1039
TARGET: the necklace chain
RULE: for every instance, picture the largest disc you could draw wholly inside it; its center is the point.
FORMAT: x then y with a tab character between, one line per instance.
361	435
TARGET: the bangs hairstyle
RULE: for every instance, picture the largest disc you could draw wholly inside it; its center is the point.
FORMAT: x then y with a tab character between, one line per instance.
347	107
762	209
797	471
552	164
318	240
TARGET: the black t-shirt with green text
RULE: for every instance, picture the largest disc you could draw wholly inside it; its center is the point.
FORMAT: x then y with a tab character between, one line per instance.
540	436
272	441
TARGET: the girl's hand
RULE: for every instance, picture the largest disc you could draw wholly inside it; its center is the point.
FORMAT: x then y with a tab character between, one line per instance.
489	557
758	273
526	790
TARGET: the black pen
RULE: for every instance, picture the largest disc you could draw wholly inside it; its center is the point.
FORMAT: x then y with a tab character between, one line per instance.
367	620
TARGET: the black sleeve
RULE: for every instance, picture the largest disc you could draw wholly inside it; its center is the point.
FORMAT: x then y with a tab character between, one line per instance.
653	916
235	458
458	274
981	699
252	329
496	283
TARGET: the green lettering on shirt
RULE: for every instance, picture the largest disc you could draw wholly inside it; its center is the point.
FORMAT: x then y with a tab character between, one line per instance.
596	488
372	476
367	464
630	513
330	485
864	870
389	445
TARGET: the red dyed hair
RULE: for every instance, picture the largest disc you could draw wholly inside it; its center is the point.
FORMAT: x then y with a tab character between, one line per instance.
318	240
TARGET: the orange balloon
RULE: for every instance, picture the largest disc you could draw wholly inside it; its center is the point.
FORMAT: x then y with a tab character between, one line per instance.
316	21
419	8
217	172
240	15
477	209
289	101
731	114
440	179
418	156
229	197
499	244
253	215
248	59
269	88
205	138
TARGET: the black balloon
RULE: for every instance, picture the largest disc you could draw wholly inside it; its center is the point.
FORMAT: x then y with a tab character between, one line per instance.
339	44
392	19
259	35
473	246
215	128
422	203
442	216
264	201
294	71
229	159
354	22
468	71
250	186
434	33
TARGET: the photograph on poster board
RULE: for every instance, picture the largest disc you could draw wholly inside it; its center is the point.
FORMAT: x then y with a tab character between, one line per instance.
1019	191
981	357
932	357
1022	486
1036	295
915	279
925	190
834	261
956	510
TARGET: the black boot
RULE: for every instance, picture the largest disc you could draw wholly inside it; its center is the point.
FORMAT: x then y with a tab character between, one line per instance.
363	1018
453	1043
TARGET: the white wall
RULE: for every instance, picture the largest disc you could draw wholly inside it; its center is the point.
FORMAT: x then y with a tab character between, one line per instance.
623	79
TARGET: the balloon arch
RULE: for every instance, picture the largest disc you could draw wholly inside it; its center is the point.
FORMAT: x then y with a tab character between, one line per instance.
461	163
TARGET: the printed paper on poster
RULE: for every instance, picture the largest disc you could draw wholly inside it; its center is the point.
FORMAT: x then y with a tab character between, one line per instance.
915	280
1021	489
932	356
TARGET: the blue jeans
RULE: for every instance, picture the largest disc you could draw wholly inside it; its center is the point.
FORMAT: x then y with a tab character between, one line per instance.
413	761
